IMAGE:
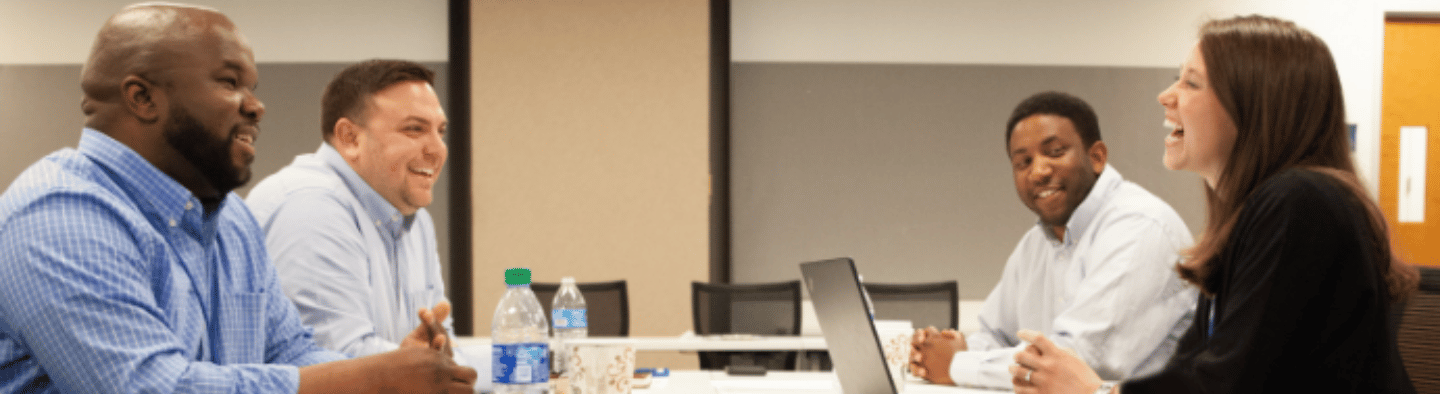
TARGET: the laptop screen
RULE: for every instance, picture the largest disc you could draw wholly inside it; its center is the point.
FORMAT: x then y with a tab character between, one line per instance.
849	332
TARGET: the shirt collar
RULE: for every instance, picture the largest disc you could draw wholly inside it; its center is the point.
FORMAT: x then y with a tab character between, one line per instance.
1085	213
384	215
157	195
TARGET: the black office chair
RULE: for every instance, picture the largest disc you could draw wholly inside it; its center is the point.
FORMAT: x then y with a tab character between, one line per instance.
923	304
1419	334
607	305
760	309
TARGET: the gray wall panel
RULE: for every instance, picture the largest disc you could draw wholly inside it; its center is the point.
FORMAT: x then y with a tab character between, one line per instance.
903	168
39	113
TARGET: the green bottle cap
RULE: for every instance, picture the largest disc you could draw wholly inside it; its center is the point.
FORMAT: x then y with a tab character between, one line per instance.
517	276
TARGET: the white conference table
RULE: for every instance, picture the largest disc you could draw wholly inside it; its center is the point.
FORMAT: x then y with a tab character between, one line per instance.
718	382
707	343
718	343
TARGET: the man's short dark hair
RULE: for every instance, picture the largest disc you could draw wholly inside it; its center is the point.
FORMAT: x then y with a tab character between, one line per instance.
1059	104
348	95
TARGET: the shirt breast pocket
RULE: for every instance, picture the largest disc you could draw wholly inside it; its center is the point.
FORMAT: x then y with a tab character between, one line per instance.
242	328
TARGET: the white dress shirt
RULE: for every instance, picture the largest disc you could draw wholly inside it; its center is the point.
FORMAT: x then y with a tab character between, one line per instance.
357	269
1109	290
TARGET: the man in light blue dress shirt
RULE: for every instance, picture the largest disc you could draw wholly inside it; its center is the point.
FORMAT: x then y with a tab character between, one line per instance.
1095	274
346	226
127	264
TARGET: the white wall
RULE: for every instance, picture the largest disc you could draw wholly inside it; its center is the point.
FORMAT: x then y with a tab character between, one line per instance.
281	31
1062	32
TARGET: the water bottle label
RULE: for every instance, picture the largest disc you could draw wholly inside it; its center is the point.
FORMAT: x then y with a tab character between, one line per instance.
520	363
568	318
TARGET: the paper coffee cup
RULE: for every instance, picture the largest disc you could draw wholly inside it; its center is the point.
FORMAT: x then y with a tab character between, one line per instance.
601	368
895	341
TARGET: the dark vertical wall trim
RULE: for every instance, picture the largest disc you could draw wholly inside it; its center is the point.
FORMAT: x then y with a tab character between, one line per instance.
458	132
720	141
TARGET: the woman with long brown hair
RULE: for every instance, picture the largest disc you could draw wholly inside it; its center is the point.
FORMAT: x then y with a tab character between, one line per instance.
1295	266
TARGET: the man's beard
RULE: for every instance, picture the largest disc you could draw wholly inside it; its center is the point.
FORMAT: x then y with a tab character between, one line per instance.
211	155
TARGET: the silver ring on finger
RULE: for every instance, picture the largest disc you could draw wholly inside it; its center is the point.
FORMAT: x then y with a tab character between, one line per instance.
1027	375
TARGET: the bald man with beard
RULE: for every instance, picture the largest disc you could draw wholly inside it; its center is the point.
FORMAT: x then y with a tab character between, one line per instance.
128	265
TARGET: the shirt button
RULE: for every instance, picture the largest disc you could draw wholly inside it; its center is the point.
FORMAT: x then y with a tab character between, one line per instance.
189	205
377	222
172	222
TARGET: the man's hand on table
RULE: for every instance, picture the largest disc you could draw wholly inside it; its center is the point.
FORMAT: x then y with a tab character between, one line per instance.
431	332
931	351
424	363
424	370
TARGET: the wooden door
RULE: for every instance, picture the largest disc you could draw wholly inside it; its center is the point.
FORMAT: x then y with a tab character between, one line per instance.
1411	97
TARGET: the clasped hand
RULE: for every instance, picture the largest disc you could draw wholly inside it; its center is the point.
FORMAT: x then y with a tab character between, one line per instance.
1043	367
431	332
424	363
418	354
931	351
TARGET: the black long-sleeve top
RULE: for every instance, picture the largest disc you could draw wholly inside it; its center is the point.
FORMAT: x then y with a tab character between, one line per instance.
1299	305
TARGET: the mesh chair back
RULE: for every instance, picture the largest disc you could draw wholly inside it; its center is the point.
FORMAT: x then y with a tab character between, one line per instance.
1419	334
760	309
934	304
607	305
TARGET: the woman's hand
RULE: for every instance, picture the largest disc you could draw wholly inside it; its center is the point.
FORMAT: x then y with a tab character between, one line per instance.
1045	368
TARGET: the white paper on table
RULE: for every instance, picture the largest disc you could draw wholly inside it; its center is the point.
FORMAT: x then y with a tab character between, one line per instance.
744	386
1412	174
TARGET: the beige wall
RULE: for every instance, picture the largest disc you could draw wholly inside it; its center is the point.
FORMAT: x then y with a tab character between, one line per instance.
590	151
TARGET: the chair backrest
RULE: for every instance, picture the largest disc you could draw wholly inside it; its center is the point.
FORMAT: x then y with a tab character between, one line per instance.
1419	334
760	309
607	305
934	304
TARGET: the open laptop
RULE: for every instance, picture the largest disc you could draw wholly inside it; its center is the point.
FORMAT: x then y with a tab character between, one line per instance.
849	332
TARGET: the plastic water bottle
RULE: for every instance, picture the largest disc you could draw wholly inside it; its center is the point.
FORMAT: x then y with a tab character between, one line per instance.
568	314
520	357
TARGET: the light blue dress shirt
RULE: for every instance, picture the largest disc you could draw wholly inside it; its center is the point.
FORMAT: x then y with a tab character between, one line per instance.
358	269
1109	290
114	280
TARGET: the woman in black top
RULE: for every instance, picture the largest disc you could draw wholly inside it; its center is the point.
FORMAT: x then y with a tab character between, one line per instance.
1295	267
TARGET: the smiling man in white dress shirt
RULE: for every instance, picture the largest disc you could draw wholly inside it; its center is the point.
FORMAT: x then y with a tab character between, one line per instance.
346	225
1096	272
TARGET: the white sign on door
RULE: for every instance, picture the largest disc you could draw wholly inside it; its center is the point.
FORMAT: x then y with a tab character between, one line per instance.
1412	174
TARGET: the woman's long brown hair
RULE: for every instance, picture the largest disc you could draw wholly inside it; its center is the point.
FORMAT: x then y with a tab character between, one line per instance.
1279	84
